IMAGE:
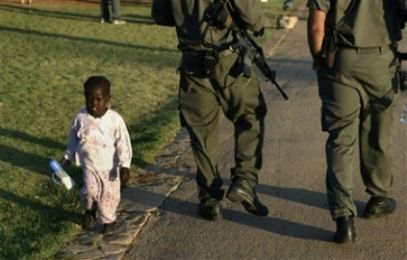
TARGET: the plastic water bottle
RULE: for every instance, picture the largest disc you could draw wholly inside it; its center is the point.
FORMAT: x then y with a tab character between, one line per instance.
64	178
403	117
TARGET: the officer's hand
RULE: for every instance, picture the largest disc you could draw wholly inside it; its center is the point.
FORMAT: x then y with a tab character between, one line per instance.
318	63
259	33
124	176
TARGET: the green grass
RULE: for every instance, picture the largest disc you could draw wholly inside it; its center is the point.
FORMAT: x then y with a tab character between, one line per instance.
47	52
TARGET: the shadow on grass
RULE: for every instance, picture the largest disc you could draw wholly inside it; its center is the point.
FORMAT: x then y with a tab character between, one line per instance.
140	19
155	57
29	161
90	40
48	13
123	2
63	214
26	160
133	18
45	142
147	133
26	240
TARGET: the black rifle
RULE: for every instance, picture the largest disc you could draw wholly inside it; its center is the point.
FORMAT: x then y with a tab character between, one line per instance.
222	15
251	53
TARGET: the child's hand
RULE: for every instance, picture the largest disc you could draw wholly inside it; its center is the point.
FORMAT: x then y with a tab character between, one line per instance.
65	162
124	176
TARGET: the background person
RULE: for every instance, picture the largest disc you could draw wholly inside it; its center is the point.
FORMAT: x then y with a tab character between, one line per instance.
114	15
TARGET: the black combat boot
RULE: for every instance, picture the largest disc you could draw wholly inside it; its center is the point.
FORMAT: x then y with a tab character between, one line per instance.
379	206
345	230
243	192
210	212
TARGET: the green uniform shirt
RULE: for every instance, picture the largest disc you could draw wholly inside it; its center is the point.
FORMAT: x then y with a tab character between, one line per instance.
187	17
368	23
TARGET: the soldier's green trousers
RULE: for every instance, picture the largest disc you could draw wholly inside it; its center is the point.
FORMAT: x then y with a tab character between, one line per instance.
202	100
358	96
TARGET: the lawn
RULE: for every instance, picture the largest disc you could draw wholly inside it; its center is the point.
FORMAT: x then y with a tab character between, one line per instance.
47	51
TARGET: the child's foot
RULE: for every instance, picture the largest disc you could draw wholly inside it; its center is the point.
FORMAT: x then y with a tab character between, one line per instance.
89	219
108	228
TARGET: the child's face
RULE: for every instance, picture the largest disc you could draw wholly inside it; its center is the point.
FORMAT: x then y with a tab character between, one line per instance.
97	101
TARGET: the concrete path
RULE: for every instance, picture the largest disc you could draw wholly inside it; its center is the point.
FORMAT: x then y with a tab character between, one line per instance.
158	220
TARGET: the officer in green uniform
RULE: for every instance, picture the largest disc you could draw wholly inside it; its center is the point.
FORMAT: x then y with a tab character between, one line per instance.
358	89
210	83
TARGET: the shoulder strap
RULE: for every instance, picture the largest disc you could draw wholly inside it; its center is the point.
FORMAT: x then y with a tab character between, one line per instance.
330	22
331	17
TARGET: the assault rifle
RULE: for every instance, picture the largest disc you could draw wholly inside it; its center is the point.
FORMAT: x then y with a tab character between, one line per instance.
249	53
221	15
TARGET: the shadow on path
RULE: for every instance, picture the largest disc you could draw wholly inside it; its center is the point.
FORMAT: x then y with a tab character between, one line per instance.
300	195
270	224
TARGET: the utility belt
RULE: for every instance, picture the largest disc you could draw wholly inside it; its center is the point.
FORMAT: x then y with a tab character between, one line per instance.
367	50
330	49
201	63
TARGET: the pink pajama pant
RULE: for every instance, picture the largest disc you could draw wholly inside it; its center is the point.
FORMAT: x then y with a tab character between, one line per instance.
101	192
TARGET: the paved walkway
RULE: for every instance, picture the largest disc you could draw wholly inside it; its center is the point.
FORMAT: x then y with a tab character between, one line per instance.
291	184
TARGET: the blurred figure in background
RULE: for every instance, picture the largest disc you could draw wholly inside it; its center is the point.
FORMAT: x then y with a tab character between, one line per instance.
106	15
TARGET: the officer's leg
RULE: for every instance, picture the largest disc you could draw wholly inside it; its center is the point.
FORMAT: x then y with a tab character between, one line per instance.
376	161
243	103
376	133
340	118
246	109
200	111
375	147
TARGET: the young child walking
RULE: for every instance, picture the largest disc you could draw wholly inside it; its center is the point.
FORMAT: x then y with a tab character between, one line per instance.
99	143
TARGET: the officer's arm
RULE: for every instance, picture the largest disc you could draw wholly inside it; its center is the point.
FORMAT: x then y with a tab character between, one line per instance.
403	12
161	12
316	29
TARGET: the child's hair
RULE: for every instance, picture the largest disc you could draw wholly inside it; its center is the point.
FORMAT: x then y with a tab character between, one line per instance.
97	82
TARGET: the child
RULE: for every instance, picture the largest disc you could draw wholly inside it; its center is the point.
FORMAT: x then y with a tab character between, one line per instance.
100	143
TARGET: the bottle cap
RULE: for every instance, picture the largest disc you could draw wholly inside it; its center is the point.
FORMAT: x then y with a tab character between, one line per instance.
55	166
